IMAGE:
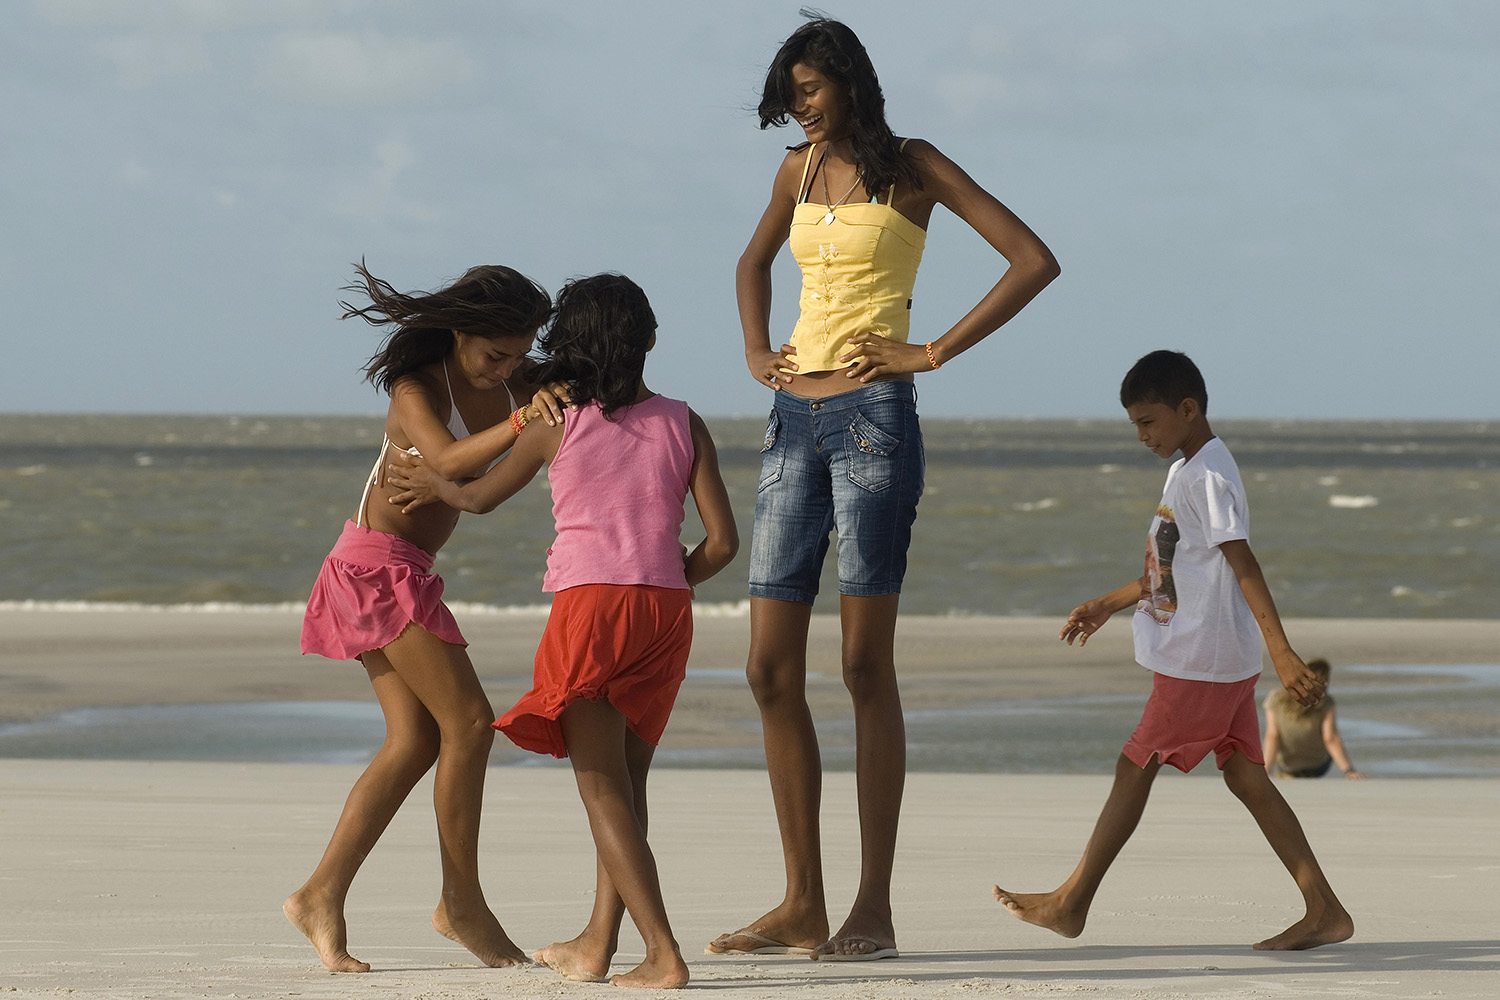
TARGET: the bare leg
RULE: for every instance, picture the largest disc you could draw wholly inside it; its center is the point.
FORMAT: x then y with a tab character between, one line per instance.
1326	920
586	958
441	675
410	748
777	672
1066	908
595	735
869	662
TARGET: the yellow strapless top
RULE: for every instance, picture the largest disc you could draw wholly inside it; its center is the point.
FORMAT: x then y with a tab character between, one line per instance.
858	271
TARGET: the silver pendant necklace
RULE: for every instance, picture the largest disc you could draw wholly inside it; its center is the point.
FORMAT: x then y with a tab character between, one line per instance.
828	219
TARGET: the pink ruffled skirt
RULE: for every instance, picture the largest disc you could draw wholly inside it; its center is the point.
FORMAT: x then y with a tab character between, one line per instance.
371	587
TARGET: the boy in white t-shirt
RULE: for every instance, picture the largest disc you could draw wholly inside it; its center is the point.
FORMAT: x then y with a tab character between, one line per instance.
1202	610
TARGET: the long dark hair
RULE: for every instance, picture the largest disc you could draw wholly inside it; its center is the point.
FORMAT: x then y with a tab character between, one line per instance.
488	301
598	340
832	49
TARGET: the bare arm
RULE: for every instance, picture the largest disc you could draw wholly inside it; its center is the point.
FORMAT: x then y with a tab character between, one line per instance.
421	484
1090	616
1301	683
416	406
1031	268
752	278
1271	744
722	539
1335	744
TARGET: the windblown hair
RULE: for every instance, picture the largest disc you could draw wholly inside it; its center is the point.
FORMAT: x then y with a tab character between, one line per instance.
832	49
488	301
1166	377
598	340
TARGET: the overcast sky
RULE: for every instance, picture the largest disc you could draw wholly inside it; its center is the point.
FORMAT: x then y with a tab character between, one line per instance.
1303	195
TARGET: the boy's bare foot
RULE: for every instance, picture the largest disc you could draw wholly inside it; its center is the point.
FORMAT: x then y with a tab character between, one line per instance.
668	972
1330	927
573	961
323	925
796	933
479	932
1045	909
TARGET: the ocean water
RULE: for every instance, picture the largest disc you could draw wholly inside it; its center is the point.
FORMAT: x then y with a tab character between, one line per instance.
1397	520
1349	519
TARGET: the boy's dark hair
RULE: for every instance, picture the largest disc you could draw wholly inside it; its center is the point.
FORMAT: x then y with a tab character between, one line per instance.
832	48
598	340
1166	377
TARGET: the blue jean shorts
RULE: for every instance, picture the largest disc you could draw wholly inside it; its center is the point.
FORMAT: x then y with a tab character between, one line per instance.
851	462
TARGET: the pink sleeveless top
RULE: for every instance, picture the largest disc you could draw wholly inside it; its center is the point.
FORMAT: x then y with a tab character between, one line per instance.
618	487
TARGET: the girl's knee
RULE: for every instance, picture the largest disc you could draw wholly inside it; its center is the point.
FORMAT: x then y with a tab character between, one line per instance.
470	730
776	682
412	751
869	678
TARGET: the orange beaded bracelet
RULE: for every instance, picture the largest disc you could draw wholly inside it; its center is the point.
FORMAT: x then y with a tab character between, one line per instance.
519	419
930	359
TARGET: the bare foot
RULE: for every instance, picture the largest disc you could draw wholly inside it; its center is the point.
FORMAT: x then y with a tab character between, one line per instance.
1045	909
324	926
668	972
780	932
865	936
574	961
1332	925
479	932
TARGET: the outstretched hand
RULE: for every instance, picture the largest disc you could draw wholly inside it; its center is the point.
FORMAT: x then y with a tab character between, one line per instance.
416	482
873	356
1086	619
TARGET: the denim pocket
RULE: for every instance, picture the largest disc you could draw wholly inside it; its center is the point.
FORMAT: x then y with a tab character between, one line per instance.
772	456
873	462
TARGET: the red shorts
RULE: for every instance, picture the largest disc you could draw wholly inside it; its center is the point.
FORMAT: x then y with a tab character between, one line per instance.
627	644
1184	720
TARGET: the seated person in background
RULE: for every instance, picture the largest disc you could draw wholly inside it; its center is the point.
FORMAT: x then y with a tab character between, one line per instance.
1303	742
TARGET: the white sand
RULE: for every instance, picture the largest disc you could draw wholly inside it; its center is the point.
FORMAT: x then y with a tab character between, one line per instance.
142	880
130	880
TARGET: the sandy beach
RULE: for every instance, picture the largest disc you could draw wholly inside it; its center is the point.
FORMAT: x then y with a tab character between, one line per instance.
139	879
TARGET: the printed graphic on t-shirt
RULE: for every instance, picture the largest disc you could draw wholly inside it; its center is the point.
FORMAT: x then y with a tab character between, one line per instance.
1159	591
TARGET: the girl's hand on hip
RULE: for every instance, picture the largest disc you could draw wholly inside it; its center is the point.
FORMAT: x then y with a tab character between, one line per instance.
773	368
873	356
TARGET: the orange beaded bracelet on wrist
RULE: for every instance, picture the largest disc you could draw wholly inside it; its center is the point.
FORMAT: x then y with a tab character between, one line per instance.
931	360
519	419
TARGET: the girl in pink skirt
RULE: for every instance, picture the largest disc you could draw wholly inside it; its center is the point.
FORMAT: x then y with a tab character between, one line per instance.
450	368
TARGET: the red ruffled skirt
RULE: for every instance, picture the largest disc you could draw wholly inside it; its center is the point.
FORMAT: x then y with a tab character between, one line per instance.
627	644
371	587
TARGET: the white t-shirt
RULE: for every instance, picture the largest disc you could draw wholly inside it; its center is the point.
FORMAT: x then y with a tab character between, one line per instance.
1192	620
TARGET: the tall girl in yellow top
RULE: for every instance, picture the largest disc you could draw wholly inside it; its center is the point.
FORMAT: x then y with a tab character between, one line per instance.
843	448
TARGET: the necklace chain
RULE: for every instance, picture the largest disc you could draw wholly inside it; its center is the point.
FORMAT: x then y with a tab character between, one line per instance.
828	219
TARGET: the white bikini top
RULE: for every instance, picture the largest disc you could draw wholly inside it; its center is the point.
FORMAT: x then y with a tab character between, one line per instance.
456	427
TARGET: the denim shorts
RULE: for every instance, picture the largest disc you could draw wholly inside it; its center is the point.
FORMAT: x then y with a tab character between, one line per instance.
851	462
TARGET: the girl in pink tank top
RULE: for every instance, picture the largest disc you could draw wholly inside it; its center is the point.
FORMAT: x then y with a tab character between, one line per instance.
616	644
